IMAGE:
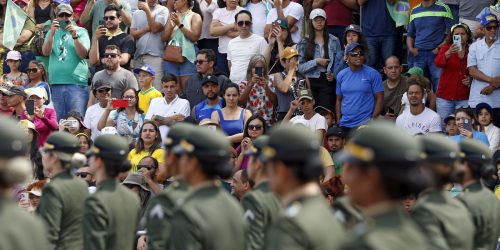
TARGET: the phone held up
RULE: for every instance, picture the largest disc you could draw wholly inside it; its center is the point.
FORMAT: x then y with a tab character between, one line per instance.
457	41
30	107
119	103
259	71
468	124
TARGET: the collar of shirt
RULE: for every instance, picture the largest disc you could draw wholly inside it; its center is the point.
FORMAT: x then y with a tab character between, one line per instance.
111	35
172	102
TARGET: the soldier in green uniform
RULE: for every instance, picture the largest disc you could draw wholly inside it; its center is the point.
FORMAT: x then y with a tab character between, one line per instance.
444	220
347	213
481	202
161	207
292	158
18	229
261	206
380	168
61	205
112	213
208	218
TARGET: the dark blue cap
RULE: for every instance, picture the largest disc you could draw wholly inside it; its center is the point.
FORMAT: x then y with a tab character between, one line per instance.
146	68
352	46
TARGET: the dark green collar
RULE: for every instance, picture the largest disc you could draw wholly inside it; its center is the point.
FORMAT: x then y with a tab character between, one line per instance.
473	187
65	174
263	186
109	184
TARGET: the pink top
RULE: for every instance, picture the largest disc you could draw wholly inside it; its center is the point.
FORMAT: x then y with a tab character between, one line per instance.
44	126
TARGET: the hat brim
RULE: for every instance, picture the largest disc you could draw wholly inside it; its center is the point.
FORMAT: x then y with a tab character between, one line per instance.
137	71
305	97
36	193
210	81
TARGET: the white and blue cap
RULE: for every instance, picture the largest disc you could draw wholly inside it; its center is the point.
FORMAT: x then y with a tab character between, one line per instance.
488	18
146	68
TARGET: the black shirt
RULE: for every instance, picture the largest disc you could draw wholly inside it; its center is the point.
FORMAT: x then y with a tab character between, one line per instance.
123	41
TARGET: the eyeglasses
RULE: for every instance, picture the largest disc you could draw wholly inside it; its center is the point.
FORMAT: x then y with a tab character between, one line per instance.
83	174
104	90
490	28
129	97
246	23
255	127
148	167
110	18
110	55
64	15
32	70
356	54
199	62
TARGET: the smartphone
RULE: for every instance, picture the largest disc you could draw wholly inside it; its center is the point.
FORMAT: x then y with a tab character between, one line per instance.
259	71
63	23
457	41
102	22
72	123
30	107
468	125
390	111
119	103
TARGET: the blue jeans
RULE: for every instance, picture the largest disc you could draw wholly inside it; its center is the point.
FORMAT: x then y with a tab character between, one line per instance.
425	61
445	107
69	97
379	49
338	31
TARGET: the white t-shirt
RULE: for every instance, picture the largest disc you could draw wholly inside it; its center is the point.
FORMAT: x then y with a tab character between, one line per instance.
259	17
315	123
92	117
160	107
239	52
294	10
207	10
225	17
426	122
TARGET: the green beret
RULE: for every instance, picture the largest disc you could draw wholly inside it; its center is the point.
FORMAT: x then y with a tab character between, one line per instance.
439	148
206	144
62	142
382	142
291	142
110	147
12	139
475	151
177	132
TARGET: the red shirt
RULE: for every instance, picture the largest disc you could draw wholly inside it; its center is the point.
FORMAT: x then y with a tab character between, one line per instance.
454	70
337	13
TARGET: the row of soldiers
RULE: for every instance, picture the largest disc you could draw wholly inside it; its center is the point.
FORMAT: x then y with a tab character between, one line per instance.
285	210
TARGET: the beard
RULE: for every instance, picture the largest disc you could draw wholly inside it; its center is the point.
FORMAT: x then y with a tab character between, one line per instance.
111	67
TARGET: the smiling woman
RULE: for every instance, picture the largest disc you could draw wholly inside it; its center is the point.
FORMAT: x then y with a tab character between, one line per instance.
149	144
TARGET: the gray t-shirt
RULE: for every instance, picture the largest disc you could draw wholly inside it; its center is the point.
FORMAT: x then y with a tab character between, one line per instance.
149	43
469	9
120	80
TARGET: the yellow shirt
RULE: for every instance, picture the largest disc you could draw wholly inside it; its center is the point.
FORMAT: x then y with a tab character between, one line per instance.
135	157
146	96
326	158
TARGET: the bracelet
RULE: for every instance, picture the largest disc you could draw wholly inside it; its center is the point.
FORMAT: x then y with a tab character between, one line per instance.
75	37
181	26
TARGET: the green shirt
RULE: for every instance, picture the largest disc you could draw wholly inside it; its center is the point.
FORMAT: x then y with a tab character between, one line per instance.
65	66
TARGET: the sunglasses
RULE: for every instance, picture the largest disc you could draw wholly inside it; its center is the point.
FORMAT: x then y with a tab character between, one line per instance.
463	107
148	167
104	90
199	62
246	23
255	127
64	15
490	28
110	55
33	70
356	54
83	174
110	18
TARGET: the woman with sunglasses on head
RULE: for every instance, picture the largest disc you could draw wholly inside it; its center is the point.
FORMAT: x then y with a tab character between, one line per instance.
484	117
183	29
148	144
254	127
464	117
454	83
38	78
127	120
320	58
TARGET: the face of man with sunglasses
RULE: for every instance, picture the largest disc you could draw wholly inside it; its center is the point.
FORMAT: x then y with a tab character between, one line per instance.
111	60
244	22
490	32
356	58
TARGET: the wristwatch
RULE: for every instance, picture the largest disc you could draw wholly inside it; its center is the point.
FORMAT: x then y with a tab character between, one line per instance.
76	37
181	26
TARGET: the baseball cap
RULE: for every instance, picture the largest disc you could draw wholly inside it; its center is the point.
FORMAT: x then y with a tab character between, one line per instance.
146	68
209	78
335	131
62	2
317	13
282	22
449	118
37	91
305	94
64	8
99	84
353	46
26	2
487	19
353	27
415	71
483	105
14	90
14	55
322	110
289	52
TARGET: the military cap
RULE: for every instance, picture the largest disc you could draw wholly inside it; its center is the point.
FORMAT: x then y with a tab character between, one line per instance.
62	142
381	142
439	148
258	145
109	147
475	151
177	132
205	144
293	143
12	138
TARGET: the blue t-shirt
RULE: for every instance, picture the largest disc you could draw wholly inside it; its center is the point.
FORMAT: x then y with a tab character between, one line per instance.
357	89
203	111
376	20
429	26
476	135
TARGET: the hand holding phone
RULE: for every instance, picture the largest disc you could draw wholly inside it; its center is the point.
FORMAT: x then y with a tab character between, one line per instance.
30	107
457	41
259	71
468	125
119	103
63	24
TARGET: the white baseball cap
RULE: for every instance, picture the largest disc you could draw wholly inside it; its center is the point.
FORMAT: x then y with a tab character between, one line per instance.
14	55
316	13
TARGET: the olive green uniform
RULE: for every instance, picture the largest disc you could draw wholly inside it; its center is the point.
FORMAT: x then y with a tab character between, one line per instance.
20	230
159	214
111	217
209	219
306	223
346	212
390	229
485	210
261	208
444	220
61	208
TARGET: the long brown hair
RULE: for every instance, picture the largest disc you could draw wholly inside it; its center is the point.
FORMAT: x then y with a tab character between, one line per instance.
139	146
310	44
